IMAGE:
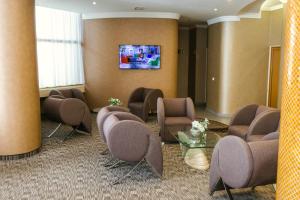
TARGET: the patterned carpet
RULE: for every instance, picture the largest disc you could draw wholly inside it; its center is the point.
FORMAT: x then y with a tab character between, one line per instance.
74	170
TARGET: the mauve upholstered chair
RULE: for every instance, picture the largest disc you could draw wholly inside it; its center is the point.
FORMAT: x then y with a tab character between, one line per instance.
174	112
238	164
252	122
69	93
104	113
70	111
142	101
130	140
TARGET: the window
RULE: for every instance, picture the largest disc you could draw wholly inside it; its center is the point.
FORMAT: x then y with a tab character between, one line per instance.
59	52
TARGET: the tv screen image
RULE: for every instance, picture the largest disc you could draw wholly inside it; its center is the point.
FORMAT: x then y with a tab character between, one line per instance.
139	56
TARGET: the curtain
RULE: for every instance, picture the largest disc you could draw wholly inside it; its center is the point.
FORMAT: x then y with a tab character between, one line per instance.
59	50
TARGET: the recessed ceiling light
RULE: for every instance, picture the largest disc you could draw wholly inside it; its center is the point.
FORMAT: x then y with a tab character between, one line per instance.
139	8
216	9
94	3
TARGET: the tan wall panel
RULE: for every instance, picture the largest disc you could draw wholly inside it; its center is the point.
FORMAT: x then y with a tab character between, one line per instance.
104	79
238	59
19	105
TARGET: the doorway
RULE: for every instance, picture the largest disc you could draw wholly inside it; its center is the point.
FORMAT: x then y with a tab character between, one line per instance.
274	69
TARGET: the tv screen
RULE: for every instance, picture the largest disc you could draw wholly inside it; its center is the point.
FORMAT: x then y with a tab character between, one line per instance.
139	56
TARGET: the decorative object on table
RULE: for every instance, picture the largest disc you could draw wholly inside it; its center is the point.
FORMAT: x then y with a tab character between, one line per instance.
198	130
114	101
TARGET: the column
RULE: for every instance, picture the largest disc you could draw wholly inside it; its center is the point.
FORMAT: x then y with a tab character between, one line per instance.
288	177
20	132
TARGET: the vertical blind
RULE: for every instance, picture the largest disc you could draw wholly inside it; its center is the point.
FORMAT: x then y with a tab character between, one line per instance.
59	51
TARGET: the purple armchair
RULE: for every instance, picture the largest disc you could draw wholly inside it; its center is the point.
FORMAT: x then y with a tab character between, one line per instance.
253	122
142	101
130	140
174	112
237	164
70	111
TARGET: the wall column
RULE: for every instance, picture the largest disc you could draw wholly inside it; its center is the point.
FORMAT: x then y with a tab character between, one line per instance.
289	144
20	132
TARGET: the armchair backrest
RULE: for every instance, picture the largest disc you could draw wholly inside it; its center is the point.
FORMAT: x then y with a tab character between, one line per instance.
175	107
261	109
69	93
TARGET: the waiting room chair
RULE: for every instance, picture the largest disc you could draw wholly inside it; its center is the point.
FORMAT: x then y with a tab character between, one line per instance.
238	164
174	112
130	140
70	111
142	101
252	122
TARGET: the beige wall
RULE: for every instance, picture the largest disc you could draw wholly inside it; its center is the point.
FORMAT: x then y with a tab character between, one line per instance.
20	130
104	79
238	59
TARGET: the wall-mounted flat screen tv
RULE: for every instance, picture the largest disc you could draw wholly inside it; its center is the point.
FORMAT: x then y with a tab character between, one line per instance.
139	56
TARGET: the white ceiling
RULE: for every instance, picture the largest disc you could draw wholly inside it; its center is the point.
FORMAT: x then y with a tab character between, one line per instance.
191	11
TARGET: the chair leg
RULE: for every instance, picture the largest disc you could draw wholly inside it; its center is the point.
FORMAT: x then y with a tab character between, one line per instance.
253	188
69	135
55	130
110	162
227	189
128	173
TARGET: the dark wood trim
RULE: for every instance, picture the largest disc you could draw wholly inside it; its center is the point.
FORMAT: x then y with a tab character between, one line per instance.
20	156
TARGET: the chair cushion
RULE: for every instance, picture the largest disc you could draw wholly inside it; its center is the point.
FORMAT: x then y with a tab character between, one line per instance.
178	121
253	138
175	107
238	130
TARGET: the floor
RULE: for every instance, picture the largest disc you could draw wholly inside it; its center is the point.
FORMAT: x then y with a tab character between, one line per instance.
74	170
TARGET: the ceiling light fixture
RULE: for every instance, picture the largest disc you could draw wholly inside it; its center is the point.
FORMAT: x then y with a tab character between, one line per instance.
139	8
216	9
94	3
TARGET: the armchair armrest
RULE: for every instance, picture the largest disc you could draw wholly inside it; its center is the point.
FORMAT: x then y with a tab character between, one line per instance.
244	115
136	95
160	112
78	94
128	140
190	109
264	123
265	156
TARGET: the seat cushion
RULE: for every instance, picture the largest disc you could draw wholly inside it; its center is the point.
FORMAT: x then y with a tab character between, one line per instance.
178	121
253	138
238	130
175	107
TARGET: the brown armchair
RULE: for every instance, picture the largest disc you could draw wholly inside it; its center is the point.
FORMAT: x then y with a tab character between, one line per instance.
143	100
238	164
69	93
252	122
130	140
174	112
70	111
